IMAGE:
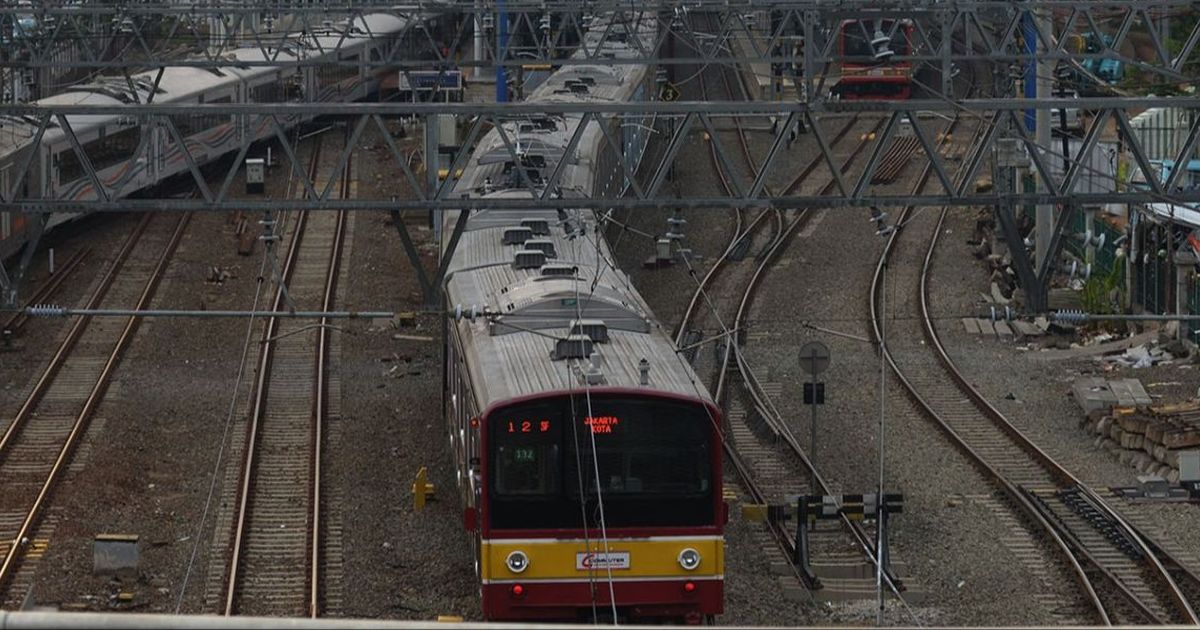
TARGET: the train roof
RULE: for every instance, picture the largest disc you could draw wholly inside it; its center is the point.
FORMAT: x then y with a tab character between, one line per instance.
533	309
185	84
544	275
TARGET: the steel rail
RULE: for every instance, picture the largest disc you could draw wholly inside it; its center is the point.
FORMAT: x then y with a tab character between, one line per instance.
763	402
320	403
68	343
1011	490
20	318
260	399
83	419
713	271
1155	565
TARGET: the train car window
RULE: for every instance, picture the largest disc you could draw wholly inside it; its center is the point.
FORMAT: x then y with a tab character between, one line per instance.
267	92
114	148
191	125
69	166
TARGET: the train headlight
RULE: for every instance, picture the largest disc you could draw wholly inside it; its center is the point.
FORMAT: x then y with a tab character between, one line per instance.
689	559
517	561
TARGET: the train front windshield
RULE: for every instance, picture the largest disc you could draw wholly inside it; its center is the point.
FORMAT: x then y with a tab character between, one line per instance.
650	462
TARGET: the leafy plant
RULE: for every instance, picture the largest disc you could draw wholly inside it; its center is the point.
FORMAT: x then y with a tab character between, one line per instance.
1102	294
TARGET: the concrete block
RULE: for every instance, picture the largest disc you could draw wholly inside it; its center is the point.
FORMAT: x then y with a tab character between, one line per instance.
1189	465
1003	331
970	325
115	554
1092	393
1027	329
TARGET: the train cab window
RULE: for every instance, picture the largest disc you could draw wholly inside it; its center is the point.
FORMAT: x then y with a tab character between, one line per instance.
650	460
640	452
527	469
527	453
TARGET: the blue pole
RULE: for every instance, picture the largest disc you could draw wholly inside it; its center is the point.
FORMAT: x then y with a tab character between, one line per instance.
1030	34
501	52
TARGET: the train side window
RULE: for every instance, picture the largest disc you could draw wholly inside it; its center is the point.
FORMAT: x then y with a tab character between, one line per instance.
114	148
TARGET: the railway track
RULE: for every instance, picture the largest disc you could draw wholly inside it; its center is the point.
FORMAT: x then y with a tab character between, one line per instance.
1123	577
277	561
40	441
766	456
42	295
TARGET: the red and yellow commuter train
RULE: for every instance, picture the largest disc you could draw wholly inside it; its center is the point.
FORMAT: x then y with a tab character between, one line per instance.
589	456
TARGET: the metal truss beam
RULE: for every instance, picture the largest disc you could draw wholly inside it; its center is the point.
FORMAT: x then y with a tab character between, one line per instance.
972	107
678	122
156	30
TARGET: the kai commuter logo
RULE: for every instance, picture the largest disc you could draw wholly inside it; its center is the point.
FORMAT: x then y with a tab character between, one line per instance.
587	560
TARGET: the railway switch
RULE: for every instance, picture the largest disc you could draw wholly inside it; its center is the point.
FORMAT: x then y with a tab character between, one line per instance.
422	489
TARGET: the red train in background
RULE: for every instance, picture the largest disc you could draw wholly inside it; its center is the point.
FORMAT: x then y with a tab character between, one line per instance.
868	48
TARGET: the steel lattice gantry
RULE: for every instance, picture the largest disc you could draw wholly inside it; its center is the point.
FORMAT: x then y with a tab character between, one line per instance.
647	190
547	31
991	33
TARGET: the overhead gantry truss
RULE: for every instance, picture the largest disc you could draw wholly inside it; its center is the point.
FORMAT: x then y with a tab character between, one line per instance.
678	124
538	32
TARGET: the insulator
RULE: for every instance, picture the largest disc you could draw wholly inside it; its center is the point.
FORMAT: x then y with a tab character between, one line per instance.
469	313
1071	317
45	310
1006	315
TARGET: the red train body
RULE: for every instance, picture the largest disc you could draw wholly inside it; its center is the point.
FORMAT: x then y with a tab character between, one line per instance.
865	78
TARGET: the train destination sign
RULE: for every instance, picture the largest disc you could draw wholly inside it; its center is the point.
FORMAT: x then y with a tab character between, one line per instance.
602	424
528	426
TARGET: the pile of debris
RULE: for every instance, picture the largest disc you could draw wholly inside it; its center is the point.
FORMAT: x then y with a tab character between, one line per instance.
1147	355
1148	437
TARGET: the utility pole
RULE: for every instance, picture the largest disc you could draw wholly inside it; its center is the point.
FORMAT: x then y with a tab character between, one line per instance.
478	40
501	52
1044	224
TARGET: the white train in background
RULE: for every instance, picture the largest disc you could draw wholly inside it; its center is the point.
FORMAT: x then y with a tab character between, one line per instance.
128	156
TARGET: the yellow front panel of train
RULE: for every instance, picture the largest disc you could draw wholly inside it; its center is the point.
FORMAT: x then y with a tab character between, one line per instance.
548	559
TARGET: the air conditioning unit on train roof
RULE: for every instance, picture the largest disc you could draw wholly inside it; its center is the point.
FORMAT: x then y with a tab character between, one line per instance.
554	270
538	226
529	259
572	347
544	245
516	235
